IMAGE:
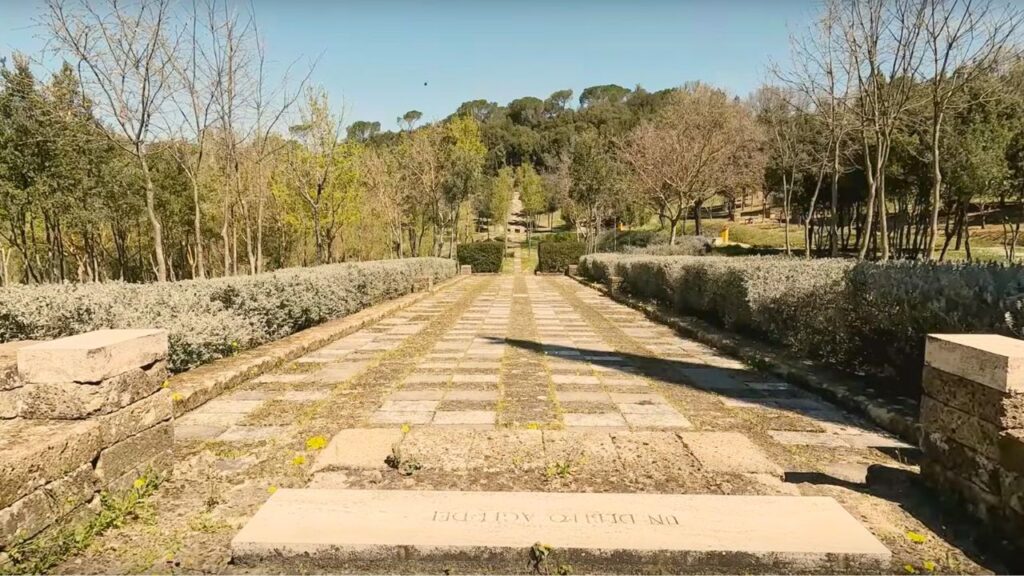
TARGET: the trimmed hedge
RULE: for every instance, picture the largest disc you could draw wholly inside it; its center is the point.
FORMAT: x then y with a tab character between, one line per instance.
684	246
484	257
210	319
556	256
864	317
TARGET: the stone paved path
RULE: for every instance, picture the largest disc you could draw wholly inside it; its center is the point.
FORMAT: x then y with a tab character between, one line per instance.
526	383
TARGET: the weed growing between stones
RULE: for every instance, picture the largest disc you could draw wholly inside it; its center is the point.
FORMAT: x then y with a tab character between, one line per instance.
39	554
395	460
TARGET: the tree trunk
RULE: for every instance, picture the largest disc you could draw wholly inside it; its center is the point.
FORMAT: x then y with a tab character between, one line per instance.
158	235
198	230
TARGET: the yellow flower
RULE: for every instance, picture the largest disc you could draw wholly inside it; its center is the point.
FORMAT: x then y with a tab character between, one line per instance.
406	428
532	426
915	537
299	460
166	384
910	568
930	566
177	397
139	483
316	443
271	489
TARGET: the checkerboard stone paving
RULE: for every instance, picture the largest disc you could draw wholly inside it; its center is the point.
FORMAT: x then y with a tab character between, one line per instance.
456	383
225	418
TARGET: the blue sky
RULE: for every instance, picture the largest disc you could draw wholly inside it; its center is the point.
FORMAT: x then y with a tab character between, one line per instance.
376	55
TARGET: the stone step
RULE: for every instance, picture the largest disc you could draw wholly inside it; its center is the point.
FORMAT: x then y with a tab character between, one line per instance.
496	532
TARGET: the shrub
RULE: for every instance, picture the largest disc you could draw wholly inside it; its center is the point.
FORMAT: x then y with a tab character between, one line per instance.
861	316
557	256
210	319
684	246
484	257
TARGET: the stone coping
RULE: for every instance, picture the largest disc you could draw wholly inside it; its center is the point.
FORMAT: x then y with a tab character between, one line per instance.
193	388
897	416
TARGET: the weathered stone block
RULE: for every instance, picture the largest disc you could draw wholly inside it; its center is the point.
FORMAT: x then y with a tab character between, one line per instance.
71	401
91	357
132	454
1011	450
573	270
465	270
962	461
9	378
31	514
992	360
979	502
1013	493
9	406
136	417
968	430
1004	409
35	453
160	465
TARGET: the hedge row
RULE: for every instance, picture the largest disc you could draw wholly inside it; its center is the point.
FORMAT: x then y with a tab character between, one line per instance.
556	256
484	257
864	317
210	319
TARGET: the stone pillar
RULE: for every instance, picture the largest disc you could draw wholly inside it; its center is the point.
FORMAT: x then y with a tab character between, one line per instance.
465	270
422	283
614	284
972	420
92	416
573	270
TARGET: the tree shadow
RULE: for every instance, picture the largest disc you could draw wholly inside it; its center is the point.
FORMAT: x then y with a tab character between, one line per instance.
898	485
950	522
728	383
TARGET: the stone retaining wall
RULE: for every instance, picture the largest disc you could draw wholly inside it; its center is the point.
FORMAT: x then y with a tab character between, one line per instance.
972	419
79	416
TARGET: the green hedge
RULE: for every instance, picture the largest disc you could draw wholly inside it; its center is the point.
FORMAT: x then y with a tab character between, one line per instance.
484	257
556	256
864	317
210	319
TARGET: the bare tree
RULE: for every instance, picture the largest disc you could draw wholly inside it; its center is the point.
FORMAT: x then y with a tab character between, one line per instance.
125	59
884	48
966	40
194	101
312	165
381	174
818	73
698	146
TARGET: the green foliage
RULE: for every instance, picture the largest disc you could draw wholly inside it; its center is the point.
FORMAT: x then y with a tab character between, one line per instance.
210	319
484	257
38	555
684	246
861	316
557	256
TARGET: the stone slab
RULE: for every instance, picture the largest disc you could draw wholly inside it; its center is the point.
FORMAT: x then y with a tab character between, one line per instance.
728	452
494	531
364	448
73	401
34	453
989	359
596	420
91	357
657	420
464	418
125	456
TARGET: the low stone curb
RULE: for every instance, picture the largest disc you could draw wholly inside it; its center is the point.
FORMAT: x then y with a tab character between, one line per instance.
899	417
193	388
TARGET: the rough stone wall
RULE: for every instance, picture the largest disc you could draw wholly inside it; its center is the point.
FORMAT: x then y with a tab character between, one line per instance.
972	419
79	416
